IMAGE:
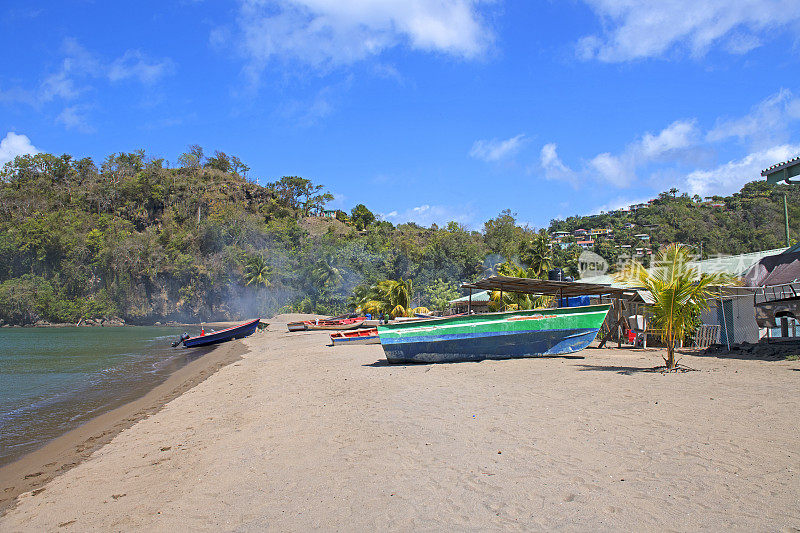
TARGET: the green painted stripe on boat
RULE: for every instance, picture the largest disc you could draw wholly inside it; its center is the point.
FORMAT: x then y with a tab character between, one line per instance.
587	317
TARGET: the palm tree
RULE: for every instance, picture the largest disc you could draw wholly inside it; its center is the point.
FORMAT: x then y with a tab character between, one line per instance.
679	293
389	296
538	254
257	271
326	275
512	301
360	294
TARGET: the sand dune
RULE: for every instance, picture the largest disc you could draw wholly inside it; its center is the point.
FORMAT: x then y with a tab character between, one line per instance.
298	435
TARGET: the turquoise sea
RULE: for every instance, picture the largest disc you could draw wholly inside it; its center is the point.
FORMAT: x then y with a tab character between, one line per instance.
54	379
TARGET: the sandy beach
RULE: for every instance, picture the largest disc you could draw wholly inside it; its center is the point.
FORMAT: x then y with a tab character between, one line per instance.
296	435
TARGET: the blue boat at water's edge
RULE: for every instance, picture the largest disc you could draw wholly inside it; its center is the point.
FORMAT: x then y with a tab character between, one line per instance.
236	332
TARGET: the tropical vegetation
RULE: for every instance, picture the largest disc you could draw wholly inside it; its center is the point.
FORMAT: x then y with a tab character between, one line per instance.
136	237
678	291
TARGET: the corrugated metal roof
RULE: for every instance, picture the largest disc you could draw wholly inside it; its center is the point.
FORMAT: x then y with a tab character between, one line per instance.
482	296
549	287
779	166
734	265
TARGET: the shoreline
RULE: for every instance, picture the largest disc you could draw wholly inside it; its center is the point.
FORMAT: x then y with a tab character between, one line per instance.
113	324
37	468
299	435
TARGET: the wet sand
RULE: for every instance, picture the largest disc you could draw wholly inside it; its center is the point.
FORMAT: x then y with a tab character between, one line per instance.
33	470
299	435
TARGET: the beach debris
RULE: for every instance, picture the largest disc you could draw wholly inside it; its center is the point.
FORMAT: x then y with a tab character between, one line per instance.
772	351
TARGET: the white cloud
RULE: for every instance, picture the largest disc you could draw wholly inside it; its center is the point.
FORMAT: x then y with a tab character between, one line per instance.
617	170
679	135
76	76
74	118
134	64
324	33
671	142
13	145
425	215
765	125
554	168
636	29
494	150
731	176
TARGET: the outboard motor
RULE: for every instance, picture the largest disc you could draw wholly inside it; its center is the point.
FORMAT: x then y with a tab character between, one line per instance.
183	338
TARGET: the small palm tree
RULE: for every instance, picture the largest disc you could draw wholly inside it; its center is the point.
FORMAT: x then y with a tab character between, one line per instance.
257	271
679	292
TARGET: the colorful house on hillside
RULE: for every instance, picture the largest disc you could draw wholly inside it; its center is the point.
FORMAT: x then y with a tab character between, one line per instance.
601	232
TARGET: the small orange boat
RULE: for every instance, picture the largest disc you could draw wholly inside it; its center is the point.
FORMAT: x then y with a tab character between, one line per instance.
328	324
359	336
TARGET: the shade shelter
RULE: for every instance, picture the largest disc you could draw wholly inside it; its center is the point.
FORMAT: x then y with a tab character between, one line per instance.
783	172
560	289
565	289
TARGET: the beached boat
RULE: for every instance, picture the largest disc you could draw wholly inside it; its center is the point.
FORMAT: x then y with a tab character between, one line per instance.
357	336
327	324
493	335
347	323
297	326
236	332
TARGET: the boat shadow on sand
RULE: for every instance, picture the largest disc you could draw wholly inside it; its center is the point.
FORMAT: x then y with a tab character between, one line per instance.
384	362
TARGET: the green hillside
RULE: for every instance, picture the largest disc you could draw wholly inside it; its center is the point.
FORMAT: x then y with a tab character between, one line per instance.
132	238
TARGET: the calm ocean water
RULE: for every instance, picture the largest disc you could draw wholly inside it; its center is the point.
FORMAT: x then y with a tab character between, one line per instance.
54	379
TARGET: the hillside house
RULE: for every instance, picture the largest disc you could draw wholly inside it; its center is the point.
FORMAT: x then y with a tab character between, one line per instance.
601	232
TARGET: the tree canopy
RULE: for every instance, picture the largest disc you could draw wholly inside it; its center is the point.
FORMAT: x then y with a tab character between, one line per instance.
135	238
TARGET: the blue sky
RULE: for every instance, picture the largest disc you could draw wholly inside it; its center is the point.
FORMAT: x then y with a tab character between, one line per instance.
424	110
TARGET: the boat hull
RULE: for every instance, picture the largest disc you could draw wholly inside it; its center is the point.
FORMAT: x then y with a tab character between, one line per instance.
362	336
356	340
326	325
237	332
493	336
334	326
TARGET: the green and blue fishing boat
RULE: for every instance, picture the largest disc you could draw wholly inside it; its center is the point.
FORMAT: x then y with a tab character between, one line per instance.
503	335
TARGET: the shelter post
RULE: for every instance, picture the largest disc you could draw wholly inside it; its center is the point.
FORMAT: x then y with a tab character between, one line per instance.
786	220
469	304
645	326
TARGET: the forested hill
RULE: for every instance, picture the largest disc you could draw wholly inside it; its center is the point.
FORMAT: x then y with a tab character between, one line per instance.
747	221
132	238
